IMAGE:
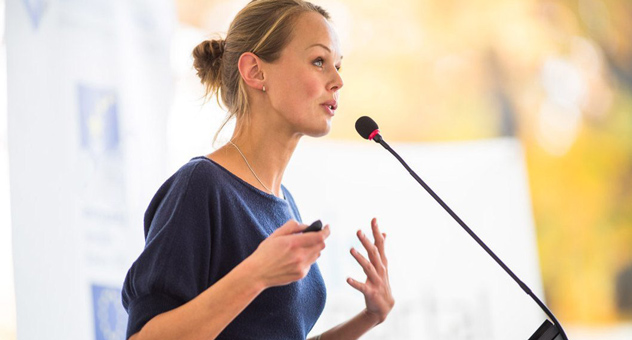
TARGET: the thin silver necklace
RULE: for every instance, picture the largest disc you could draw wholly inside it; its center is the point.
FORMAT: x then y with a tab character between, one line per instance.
249	167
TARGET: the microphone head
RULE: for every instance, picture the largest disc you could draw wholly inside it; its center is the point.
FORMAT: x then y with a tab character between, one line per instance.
366	127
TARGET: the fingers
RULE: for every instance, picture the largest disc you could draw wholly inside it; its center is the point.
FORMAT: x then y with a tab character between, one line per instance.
313	238
294	227
379	238
368	268
372	252
290	227
357	285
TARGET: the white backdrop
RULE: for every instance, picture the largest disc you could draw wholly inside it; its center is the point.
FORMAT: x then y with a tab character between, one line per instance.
445	285
89	89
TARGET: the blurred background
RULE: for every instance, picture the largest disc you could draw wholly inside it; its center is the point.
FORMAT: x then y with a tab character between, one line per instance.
556	75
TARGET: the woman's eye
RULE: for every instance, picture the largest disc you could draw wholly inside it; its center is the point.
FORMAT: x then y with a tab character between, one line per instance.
318	62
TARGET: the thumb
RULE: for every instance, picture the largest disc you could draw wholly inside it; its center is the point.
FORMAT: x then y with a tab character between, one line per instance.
290	227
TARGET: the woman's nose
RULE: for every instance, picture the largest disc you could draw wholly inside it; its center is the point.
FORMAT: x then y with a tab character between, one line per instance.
337	82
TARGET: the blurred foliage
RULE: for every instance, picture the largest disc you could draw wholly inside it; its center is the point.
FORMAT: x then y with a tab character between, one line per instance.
555	74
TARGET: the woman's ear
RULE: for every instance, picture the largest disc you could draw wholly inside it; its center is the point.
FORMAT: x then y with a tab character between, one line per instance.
250	69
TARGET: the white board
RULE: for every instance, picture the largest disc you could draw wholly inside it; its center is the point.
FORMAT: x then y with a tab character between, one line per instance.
445	285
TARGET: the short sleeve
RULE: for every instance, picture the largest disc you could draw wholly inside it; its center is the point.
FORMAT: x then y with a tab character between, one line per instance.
174	266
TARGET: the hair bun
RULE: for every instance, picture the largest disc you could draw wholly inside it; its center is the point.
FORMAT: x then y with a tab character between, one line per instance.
210	49
217	47
207	57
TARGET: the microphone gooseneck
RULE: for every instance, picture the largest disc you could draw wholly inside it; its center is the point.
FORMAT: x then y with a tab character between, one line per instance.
368	129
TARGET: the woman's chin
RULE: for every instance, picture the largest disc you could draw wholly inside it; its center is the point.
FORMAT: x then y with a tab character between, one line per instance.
321	131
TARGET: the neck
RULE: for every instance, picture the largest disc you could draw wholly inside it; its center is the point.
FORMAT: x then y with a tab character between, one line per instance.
267	150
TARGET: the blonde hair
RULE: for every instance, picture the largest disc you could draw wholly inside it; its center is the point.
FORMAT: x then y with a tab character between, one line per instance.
264	28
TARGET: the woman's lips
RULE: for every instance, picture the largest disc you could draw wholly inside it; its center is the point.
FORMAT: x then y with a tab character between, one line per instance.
330	106
329	109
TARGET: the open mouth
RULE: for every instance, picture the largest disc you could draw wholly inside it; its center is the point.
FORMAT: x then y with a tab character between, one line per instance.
330	108
330	105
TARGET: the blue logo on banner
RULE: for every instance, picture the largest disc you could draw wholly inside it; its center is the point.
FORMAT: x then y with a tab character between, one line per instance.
110	319
36	10
98	119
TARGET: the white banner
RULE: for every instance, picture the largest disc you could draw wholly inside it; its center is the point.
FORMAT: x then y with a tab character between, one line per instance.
89	89
445	286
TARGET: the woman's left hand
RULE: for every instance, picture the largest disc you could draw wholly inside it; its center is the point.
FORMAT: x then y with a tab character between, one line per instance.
376	289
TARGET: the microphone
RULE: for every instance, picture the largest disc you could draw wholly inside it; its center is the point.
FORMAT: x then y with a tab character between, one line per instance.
368	129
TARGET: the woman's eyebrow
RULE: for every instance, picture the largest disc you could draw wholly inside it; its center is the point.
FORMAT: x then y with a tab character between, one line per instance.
321	45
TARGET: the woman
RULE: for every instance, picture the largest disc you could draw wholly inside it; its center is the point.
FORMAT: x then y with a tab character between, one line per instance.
225	257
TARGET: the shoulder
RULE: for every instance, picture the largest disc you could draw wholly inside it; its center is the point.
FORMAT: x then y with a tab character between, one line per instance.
188	192
200	172
199	166
197	177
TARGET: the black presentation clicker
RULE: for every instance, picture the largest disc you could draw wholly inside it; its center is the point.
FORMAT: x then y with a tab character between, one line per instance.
316	226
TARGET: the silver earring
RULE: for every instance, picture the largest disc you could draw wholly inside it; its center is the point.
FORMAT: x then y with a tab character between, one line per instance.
264	88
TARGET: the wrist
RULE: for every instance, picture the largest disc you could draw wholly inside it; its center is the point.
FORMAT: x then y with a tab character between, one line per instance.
372	318
251	272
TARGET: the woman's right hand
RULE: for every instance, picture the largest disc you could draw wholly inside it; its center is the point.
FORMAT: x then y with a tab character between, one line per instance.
287	254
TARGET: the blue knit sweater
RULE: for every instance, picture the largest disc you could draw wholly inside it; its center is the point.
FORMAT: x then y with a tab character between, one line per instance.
202	222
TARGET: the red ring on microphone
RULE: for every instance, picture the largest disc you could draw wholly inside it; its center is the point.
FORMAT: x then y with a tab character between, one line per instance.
374	133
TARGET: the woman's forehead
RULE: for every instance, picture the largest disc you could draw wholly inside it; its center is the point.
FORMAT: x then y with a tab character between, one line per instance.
313	31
